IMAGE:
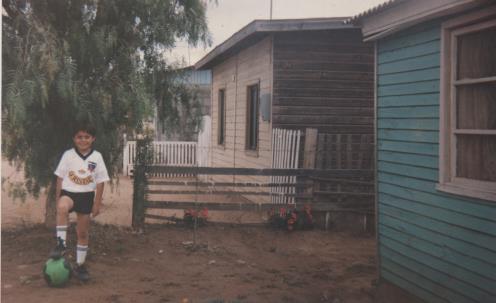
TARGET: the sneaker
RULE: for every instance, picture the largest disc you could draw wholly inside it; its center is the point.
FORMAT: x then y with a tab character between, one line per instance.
81	273
59	250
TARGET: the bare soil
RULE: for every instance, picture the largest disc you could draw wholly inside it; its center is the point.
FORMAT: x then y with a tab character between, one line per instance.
225	264
229	263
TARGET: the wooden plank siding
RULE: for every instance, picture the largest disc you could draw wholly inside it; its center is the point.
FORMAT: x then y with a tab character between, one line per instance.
323	79
250	66
438	246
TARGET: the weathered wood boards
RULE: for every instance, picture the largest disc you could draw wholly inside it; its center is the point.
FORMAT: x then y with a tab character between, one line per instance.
323	79
161	192
336	173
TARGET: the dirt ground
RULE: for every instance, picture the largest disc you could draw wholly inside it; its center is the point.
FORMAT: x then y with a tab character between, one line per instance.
228	264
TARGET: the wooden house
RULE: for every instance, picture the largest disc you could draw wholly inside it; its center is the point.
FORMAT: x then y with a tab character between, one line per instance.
436	146
291	75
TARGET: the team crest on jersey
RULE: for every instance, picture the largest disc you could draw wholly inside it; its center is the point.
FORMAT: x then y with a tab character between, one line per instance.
91	166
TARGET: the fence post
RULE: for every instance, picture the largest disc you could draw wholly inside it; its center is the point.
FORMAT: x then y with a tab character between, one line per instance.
144	157
309	155
310	151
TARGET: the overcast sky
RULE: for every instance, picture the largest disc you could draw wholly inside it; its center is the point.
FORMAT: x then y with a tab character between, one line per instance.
228	16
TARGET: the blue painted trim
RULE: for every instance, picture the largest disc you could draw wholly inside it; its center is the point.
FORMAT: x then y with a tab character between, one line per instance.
408	39
426	48
407	257
444	248
409	76
406	101
415	124
415	63
411	286
426	192
409	147
422	136
430	111
408	159
480	231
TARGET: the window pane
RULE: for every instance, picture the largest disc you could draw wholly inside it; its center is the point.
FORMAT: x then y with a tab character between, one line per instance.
476	157
476	106
222	117
476	54
252	117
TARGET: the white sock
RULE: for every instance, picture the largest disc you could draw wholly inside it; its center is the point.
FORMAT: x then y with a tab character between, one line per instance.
81	252
62	232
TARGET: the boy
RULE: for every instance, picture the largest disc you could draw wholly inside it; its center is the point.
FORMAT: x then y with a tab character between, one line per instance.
81	174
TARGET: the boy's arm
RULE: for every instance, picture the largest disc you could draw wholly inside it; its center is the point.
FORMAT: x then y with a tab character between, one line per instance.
58	188
98	199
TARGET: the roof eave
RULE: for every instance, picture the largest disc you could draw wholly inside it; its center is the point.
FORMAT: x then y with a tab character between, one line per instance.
270	26
397	15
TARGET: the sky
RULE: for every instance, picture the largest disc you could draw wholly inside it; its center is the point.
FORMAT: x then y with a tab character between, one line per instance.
226	17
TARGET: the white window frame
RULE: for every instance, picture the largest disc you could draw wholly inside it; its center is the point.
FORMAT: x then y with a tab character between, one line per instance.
448	181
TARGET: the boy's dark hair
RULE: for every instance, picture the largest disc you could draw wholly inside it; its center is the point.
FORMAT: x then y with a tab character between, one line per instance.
85	127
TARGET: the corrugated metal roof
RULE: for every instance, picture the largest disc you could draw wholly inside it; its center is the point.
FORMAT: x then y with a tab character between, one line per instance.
373	10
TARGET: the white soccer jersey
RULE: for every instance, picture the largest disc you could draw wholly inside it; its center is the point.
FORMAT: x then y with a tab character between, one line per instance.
81	173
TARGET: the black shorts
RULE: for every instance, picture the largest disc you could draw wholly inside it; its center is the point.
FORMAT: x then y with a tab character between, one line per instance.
83	202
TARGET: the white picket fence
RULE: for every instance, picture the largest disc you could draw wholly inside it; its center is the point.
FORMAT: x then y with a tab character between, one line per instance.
175	153
285	154
204	137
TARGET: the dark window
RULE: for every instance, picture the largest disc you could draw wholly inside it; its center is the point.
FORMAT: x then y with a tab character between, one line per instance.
252	117
474	104
221	139
468	106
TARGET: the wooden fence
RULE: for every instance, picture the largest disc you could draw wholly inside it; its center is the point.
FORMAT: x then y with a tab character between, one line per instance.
240	189
337	175
345	151
352	152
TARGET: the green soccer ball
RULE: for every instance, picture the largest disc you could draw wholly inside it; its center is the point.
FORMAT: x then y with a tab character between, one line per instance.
57	272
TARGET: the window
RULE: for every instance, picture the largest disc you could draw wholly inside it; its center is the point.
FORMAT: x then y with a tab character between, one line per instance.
252	117
468	107
221	134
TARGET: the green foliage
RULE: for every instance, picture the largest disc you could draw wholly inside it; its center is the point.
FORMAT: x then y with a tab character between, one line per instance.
178	106
101	61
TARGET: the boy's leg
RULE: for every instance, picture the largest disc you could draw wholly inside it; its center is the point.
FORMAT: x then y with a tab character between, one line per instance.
64	205
83	224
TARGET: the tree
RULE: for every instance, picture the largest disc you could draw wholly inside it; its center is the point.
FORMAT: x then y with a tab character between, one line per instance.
94	60
180	99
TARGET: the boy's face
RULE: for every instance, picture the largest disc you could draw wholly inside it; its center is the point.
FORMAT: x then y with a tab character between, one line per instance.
83	141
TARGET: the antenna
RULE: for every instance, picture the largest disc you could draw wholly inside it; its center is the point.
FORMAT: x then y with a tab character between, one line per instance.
270	9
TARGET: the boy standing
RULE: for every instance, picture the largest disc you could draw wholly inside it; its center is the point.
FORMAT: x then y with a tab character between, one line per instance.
81	174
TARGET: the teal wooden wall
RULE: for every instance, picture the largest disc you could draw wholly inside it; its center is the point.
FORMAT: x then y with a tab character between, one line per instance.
438	246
